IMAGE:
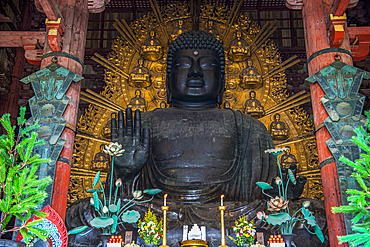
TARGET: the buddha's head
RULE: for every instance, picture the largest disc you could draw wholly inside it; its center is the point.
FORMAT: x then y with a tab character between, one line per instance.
141	62
181	22
277	117
210	24
152	34
137	93
239	34
252	94
250	62
195	69
288	150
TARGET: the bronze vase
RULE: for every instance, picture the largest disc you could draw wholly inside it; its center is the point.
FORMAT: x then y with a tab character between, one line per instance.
11	243
288	238
104	237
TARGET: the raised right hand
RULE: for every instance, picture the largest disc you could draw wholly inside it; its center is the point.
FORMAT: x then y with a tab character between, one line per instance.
135	142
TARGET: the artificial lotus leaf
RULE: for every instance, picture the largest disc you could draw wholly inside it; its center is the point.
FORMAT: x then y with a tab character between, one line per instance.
264	186
101	222
278	219
96	179
130	216
319	233
94	190
152	192
77	230
291	176
113	208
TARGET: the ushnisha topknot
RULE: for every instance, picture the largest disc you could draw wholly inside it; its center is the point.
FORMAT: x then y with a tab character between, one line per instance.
196	40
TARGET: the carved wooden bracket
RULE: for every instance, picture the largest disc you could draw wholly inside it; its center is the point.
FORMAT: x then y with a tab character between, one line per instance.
32	42
294	4
337	29
55	30
360	41
96	6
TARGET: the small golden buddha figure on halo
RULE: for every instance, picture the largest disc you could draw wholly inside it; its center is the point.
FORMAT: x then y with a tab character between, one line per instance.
106	131
278	129
137	102
250	77
253	106
288	159
178	30
239	48
211	29
139	76
163	105
152	48
101	161
227	105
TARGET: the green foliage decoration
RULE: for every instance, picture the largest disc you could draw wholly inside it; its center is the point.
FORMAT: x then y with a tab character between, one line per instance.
21	190
149	229
359	199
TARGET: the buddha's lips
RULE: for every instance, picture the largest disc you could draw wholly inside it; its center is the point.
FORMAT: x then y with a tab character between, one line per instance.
195	83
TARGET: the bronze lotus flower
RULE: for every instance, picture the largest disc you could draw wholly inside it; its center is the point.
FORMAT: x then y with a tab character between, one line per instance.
277	204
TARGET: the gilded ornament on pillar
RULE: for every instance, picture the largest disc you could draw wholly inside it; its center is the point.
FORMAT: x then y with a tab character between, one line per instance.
137	102
239	49
278	129
152	48
253	106
250	78
139	76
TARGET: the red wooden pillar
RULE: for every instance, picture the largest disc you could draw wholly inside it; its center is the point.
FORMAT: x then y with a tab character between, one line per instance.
316	37
75	13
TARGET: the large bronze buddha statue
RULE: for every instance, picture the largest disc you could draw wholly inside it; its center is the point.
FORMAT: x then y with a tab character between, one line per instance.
194	151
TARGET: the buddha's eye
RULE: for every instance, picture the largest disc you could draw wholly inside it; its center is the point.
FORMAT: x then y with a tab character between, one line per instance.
208	63
183	63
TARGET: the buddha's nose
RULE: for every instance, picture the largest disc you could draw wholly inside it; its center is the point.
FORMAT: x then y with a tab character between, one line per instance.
195	71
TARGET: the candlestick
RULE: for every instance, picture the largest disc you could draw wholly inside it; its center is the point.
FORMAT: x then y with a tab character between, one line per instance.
222	210
165	199
164	209
222	200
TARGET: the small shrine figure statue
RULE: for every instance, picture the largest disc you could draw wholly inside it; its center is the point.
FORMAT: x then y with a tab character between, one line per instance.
163	105
253	106
101	161
239	48
250	77
288	159
278	129
211	29
137	102
106	131
139	76
178	30
152	48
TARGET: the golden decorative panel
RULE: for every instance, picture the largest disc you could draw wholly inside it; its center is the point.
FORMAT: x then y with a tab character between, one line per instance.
255	83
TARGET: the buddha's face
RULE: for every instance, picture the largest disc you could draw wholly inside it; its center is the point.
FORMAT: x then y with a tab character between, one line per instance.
250	63
195	75
277	117
137	93
141	62
252	95
181	22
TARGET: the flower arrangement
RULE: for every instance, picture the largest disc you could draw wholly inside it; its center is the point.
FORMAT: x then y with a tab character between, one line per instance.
279	207
21	191
245	232
149	229
110	209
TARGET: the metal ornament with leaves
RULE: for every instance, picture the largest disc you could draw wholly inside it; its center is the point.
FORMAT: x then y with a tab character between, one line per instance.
279	207
110	209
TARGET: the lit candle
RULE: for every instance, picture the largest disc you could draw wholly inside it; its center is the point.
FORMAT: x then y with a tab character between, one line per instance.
222	200
165	199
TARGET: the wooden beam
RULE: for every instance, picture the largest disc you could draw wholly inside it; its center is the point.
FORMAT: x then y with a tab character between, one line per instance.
51	10
26	39
353	31
339	7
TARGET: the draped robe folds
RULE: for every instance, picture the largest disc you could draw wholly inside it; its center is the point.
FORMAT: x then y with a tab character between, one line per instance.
249	164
